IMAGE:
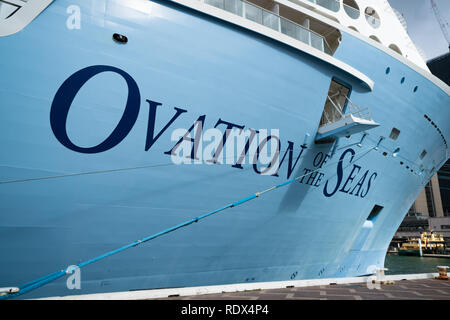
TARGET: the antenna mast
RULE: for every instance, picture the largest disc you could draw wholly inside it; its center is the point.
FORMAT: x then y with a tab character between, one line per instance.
442	23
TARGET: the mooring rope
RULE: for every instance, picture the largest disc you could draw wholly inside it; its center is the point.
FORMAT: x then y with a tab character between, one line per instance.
29	286
85	173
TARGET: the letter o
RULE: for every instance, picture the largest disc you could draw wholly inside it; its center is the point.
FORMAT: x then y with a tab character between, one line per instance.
320	159
63	100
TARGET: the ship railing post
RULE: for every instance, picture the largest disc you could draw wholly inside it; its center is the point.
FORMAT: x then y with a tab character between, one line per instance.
420	247
381	277
336	107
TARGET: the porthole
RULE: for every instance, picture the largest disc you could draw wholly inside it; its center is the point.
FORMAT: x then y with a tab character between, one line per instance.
388	70
353	28
372	17
395	48
402	81
351	8
375	38
120	38
415	88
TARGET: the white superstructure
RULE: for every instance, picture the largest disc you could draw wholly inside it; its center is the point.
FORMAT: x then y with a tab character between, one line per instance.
373	19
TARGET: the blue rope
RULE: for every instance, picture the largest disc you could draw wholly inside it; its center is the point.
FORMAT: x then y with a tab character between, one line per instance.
29	286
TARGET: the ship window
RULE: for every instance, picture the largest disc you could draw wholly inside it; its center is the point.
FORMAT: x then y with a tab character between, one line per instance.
394	134
286	20
395	48
372	17
351	8
423	154
17	14
375	212
375	38
353	28
332	5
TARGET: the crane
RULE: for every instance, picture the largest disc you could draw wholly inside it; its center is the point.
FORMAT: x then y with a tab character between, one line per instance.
442	23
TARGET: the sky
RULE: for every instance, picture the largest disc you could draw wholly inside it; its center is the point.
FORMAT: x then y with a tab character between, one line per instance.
423	27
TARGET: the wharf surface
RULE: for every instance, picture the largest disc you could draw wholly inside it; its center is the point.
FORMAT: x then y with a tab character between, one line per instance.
422	286
424	289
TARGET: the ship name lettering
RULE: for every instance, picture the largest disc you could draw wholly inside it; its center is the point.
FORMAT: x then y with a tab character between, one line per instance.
354	181
360	189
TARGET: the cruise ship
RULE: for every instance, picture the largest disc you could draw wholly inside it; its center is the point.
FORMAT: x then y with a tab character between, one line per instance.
105	105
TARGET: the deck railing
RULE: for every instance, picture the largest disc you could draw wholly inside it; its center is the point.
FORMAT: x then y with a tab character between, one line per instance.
374	22
331	115
271	20
332	5
351	12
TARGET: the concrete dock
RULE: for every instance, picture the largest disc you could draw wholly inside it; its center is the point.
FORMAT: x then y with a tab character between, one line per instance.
424	289
422	286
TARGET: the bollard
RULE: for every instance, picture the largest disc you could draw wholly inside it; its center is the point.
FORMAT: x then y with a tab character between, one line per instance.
381	277
5	291
442	273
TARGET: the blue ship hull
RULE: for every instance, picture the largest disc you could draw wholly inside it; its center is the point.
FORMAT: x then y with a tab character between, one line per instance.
61	206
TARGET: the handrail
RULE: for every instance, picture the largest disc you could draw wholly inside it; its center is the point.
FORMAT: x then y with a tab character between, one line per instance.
327	57
352	110
354	11
242	12
323	3
335	106
362	113
375	23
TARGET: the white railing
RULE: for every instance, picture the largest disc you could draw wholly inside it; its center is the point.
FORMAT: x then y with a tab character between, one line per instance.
332	5
356	111
374	22
271	20
335	114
